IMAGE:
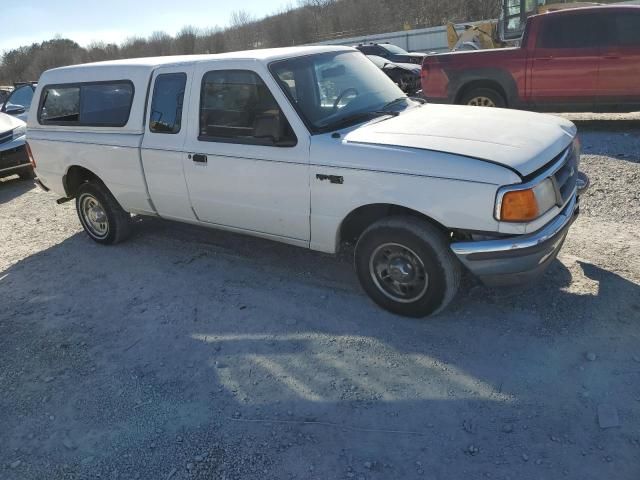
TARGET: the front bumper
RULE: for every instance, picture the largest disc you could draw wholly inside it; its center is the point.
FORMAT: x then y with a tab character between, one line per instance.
13	159
519	259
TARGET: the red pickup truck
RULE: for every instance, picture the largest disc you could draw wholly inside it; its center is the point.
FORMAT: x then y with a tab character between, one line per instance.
585	59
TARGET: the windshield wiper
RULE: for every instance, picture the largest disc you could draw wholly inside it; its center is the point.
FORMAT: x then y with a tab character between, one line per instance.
356	118
393	102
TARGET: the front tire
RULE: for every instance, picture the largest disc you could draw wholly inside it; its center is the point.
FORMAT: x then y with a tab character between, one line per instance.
102	218
406	266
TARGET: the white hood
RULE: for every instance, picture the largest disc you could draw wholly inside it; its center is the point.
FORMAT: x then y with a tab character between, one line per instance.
521	141
7	123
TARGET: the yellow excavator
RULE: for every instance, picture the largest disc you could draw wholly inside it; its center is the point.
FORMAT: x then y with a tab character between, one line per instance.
508	29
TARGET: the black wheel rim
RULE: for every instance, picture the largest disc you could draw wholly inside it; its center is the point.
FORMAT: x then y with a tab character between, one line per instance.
398	272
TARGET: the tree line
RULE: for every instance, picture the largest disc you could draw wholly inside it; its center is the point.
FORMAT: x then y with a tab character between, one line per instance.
308	22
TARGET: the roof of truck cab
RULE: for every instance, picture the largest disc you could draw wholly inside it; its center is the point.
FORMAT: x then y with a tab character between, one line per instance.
261	55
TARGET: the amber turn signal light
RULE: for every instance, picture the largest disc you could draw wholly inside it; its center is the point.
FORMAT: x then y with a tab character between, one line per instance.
519	206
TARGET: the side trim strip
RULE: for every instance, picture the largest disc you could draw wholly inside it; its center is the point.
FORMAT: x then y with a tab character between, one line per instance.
321	165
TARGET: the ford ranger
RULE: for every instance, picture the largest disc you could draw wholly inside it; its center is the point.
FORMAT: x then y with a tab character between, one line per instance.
315	147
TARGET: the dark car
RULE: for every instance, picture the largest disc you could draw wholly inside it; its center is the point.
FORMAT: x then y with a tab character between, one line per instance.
405	75
391	52
14	158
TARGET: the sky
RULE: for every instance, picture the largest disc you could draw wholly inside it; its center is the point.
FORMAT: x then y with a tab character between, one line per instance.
23	22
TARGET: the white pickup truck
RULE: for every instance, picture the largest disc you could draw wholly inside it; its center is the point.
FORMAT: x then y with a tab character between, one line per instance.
315	147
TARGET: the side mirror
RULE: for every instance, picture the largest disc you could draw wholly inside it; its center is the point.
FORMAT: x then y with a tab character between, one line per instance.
15	110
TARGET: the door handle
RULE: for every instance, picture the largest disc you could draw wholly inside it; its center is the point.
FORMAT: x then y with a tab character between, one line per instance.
332	178
199	158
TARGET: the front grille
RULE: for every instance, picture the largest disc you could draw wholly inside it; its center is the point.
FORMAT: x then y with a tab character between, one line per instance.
566	176
6	136
409	84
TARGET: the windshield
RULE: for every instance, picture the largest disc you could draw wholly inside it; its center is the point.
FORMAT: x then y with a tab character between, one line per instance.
394	49
332	90
515	14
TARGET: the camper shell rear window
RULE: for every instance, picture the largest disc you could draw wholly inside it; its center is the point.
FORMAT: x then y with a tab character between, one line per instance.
88	104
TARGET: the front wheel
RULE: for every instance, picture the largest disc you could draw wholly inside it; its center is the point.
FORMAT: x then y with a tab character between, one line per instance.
102	218
406	266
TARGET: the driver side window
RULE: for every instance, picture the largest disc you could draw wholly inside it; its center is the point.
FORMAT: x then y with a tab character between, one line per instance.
236	106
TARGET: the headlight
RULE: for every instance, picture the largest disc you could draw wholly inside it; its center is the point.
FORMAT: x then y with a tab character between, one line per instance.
577	150
524	205
20	131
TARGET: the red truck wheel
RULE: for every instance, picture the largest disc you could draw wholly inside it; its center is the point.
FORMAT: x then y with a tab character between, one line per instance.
484	97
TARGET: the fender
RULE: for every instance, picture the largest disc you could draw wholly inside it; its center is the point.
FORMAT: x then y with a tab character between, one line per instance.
460	80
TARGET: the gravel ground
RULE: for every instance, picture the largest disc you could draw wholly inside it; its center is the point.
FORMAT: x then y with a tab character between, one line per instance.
193	354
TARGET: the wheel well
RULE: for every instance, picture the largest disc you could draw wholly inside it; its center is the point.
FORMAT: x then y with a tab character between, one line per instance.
362	217
491	84
75	177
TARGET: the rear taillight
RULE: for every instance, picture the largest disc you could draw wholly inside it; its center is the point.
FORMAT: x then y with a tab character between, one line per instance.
32	160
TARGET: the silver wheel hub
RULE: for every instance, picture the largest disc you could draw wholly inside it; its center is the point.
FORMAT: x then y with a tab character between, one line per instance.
97	215
401	270
481	102
398	272
93	216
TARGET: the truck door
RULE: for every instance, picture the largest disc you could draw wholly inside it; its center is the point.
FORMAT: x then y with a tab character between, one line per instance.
164	139
565	61
247	161
619	77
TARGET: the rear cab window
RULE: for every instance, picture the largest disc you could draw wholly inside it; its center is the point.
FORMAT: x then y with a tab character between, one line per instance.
167	103
574	31
91	104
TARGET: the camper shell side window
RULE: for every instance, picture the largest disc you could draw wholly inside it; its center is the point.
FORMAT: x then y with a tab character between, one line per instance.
87	104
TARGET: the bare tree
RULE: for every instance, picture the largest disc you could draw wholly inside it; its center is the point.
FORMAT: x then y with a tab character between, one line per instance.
305	21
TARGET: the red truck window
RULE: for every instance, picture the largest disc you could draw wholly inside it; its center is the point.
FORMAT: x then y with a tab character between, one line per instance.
569	31
627	28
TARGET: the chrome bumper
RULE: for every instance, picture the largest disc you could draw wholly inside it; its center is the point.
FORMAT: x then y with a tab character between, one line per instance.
521	258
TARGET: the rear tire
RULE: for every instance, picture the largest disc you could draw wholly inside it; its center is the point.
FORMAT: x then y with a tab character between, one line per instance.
484	97
100	214
406	266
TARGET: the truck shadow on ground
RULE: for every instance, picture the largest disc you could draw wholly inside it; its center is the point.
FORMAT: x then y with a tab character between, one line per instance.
12	187
267	361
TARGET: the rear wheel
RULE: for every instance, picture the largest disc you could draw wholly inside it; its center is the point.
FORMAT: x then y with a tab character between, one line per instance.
406	266
102	218
484	97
